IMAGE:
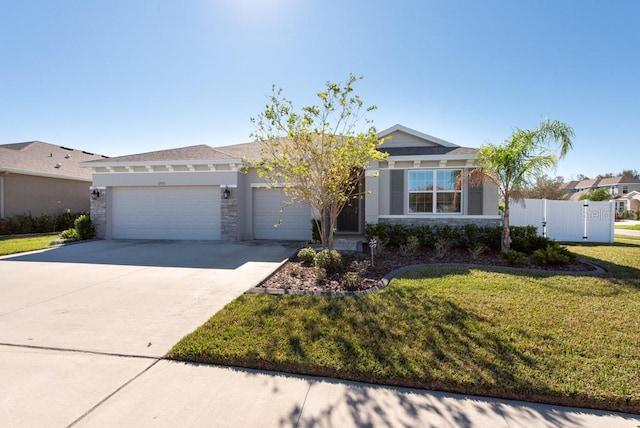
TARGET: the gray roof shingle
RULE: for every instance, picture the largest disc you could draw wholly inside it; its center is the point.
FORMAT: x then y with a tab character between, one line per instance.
44	158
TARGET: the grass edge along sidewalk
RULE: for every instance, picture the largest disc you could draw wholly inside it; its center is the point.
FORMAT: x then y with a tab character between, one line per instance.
558	339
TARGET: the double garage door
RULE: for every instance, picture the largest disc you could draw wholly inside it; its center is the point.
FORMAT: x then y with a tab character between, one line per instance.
189	212
193	212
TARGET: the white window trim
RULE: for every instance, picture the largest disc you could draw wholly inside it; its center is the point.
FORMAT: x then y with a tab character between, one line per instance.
434	193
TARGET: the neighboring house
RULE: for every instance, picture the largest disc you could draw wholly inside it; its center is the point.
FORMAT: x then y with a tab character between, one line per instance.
618	187
39	178
631	200
202	192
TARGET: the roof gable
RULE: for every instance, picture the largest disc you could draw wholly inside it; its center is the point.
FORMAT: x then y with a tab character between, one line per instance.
401	136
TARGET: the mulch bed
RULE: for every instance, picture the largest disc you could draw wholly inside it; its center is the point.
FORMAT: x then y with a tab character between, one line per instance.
299	277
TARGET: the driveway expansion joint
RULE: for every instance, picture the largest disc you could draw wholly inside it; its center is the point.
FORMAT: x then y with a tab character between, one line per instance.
105	399
81	351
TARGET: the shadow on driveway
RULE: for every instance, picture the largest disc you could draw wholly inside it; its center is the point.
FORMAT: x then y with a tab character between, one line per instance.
186	254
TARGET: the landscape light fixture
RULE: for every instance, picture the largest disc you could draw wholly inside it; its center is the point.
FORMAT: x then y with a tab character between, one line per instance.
95	194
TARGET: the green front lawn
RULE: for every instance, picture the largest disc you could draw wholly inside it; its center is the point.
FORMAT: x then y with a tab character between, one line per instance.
628	227
13	244
504	333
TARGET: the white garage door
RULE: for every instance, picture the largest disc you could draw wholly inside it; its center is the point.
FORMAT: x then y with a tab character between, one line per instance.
296	219
191	212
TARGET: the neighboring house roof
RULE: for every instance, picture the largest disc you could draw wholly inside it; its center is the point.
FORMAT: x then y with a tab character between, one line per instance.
600	182
632	195
618	180
587	184
569	185
44	159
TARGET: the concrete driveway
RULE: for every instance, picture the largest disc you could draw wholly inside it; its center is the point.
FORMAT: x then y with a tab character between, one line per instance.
118	306
134	298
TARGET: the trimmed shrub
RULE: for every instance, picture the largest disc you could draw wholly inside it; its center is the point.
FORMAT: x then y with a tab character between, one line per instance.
70	235
526	239
26	223
66	219
425	236
452	234
84	227
514	257
410	246
443	247
523	238
329	260
554	254
353	281
477	250
307	255
315	230
359	266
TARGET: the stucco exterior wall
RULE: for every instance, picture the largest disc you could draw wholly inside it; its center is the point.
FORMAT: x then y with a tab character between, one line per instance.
191	178
490	199
24	194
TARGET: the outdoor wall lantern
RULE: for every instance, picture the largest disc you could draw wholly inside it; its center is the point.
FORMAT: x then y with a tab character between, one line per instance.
226	193
95	194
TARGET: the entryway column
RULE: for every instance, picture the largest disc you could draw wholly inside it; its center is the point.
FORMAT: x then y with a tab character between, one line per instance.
99	211
229	213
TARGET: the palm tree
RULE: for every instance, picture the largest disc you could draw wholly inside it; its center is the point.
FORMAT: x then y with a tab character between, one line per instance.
525	155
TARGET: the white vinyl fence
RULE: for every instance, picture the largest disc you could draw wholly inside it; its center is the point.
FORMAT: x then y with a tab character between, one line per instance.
573	221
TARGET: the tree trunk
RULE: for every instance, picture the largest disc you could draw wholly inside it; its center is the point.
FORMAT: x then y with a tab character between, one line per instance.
327	232
505	243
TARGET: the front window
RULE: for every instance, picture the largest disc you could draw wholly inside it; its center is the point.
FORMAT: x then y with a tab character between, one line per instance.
434	191
625	190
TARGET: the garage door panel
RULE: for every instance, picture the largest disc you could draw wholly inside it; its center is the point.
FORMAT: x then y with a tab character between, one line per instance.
166	213
294	221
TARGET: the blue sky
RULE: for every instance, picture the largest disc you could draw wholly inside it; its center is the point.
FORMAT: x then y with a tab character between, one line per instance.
119	77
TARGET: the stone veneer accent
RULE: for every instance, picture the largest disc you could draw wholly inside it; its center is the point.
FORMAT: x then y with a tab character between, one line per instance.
229	216
441	221
98	212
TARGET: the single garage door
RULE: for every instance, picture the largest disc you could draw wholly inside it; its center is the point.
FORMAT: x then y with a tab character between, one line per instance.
296	219
190	212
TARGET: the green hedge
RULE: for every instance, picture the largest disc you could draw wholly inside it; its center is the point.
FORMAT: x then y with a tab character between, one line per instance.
26	223
523	238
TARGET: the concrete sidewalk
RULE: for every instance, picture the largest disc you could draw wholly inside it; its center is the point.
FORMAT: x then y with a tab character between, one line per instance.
627	232
127	392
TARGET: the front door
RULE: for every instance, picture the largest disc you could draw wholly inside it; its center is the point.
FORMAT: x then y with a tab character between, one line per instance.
349	218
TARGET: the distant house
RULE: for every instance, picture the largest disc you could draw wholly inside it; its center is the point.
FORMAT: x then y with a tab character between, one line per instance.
202	192
39	178
631	201
620	188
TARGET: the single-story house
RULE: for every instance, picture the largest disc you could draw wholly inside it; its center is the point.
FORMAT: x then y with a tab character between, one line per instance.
203	192
41	178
